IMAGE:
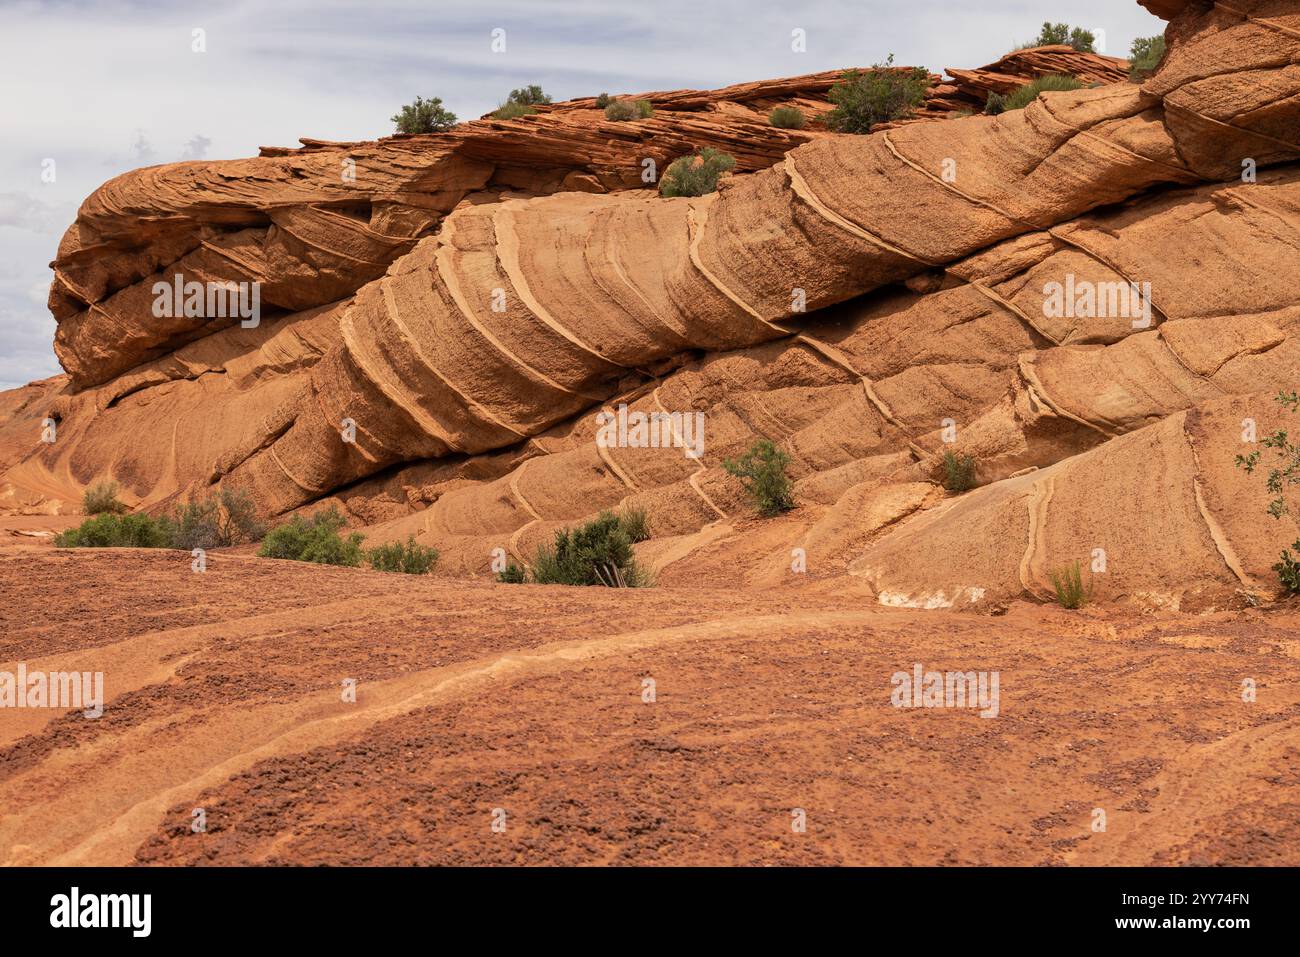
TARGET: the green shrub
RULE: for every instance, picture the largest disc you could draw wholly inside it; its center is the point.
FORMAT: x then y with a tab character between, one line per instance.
1019	98
1054	34
695	175
521	102
787	118
598	553
110	530
528	96
409	558
603	101
102	498
1288	570
636	523
761	471
512	111
996	103
958	473
512	574
620	111
315	539
879	95
424	116
1282	476
227	518
1144	56
1069	587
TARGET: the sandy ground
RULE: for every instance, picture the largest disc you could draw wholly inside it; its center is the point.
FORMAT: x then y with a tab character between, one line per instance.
507	724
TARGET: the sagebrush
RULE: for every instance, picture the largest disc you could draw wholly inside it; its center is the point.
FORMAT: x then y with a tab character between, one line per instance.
884	93
597	553
315	539
424	116
408	557
787	118
696	175
101	498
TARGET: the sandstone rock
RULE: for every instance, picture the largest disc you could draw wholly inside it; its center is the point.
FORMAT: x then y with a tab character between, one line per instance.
845	296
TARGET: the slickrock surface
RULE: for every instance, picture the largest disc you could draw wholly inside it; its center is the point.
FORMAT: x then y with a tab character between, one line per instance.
472	697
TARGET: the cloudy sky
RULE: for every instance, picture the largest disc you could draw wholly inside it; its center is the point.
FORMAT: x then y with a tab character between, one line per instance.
103	87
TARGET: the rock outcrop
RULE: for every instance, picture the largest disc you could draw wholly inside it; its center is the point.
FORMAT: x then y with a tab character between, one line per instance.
466	303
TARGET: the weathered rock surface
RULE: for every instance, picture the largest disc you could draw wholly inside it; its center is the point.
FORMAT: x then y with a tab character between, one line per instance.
471	300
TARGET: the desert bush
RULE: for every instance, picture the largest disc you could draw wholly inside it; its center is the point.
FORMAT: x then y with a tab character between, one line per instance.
409	558
512	574
1288	570
1145	55
787	118
598	553
424	116
521	102
111	530
227	518
1281	476
528	96
1019	98
995	104
603	101
1054	34
636	523
958	472
512	111
623	110
879	95
102	498
1068	584
314	539
761	471
695	175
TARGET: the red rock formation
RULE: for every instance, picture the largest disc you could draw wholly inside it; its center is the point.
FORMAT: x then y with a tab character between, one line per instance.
845	295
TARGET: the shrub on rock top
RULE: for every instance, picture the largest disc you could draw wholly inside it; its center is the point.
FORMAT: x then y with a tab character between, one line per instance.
424	116
879	95
1144	56
622	110
696	175
1058	34
521	102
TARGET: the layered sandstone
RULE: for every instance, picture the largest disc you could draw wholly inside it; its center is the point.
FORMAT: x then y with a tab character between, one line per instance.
470	301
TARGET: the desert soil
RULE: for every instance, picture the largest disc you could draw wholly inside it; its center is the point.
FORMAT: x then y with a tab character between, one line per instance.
225	692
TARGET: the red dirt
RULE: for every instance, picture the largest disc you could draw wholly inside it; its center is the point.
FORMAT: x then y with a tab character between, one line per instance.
475	696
